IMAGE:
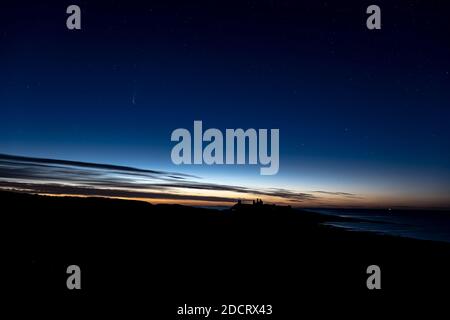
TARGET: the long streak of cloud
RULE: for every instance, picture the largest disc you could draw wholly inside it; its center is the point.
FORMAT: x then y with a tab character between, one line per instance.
53	176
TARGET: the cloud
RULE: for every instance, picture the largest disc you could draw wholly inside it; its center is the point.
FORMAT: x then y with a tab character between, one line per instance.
61	189
52	176
341	194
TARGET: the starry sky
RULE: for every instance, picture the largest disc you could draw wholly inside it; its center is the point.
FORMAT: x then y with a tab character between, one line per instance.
363	115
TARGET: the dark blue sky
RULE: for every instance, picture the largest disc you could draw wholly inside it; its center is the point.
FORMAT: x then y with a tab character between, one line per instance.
359	111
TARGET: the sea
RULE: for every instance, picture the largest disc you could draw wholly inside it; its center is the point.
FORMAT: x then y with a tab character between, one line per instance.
419	224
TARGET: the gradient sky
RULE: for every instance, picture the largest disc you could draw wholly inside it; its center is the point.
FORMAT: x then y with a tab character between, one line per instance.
360	112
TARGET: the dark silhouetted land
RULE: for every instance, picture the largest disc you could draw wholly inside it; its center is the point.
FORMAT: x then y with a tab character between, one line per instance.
161	256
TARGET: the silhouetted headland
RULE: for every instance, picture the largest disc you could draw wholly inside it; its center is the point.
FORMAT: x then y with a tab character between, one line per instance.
185	253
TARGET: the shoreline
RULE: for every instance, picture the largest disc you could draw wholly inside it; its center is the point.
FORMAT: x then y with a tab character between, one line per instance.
190	253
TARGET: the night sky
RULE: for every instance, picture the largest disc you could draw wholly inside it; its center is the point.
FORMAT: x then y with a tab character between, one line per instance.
363	114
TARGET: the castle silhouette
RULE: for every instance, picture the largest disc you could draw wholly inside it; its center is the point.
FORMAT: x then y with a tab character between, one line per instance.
256	204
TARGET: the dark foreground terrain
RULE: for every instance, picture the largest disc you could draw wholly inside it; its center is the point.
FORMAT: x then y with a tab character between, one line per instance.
138	258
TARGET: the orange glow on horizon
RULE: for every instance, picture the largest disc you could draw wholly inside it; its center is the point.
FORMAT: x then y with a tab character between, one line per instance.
227	199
